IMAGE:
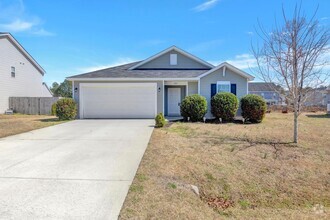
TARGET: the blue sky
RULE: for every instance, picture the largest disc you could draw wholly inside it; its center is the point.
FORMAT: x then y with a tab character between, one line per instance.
69	37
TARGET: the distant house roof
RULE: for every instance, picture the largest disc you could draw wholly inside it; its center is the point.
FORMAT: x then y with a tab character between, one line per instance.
261	87
22	50
124	71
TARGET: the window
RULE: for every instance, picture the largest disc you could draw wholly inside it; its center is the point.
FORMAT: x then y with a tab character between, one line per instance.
223	86
13	74
173	59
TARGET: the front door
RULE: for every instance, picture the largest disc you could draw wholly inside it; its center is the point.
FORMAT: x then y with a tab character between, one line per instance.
174	99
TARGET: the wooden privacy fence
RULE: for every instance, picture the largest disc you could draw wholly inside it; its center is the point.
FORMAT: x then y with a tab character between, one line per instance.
32	105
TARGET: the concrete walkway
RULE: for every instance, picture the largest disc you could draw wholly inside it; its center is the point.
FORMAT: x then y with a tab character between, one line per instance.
77	170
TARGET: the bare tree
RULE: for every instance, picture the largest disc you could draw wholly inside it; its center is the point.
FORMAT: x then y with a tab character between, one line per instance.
292	55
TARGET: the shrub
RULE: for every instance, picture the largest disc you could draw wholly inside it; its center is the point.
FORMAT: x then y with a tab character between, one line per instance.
253	108
193	106
66	109
224	105
160	120
53	109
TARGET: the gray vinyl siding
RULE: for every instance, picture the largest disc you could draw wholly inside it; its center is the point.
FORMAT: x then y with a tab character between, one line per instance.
192	88
159	93
164	62
234	78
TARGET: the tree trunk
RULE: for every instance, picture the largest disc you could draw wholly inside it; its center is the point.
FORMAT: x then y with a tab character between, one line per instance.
295	129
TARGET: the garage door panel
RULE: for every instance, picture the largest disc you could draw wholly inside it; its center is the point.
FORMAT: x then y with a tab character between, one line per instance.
119	100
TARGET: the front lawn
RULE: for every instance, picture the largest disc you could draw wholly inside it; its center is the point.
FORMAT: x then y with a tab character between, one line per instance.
244	171
17	123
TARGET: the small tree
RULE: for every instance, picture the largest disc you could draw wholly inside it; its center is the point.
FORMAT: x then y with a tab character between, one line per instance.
62	90
292	56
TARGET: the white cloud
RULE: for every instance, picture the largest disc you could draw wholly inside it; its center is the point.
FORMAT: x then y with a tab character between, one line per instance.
42	32
206	5
118	62
324	18
17	26
14	18
241	61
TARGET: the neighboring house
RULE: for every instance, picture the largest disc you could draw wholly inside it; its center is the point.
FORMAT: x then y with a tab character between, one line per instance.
269	91
317	97
158	84
20	74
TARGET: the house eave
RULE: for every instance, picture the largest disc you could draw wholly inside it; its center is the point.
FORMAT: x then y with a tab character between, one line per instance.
231	67
132	79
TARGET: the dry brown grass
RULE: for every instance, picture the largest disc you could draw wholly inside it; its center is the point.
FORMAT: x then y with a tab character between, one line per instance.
17	123
254	166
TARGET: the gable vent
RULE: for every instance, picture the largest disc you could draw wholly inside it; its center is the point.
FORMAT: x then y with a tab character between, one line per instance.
173	59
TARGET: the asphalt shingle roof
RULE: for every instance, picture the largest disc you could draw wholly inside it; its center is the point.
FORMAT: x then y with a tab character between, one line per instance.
261	86
124	72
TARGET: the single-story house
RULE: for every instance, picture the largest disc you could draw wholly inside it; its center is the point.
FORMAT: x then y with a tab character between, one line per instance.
20	73
154	85
269	91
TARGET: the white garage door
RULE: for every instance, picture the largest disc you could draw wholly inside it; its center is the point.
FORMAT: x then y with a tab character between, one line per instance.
118	100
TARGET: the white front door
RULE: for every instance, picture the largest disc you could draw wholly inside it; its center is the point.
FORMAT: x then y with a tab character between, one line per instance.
173	101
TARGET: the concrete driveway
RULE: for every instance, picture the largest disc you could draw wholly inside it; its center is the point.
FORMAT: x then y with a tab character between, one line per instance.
77	170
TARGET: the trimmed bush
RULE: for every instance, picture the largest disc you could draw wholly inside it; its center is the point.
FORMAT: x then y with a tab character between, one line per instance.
224	105
253	108
193	106
53	109
160	120
66	109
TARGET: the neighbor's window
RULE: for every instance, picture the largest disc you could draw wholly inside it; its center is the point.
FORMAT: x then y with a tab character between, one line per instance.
223	86
13	72
173	59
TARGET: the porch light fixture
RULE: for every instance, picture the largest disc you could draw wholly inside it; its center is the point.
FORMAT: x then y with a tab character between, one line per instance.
158	89
75	89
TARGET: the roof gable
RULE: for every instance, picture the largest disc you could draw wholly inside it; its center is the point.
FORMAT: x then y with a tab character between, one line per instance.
231	67
162	61
23	51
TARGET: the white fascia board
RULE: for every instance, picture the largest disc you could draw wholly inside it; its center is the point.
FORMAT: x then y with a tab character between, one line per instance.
229	66
132	79
21	48
169	49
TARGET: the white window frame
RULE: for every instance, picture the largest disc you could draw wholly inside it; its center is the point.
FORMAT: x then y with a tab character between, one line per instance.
224	83
173	59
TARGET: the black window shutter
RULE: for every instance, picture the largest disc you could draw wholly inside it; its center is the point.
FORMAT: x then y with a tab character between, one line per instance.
233	88
213	89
